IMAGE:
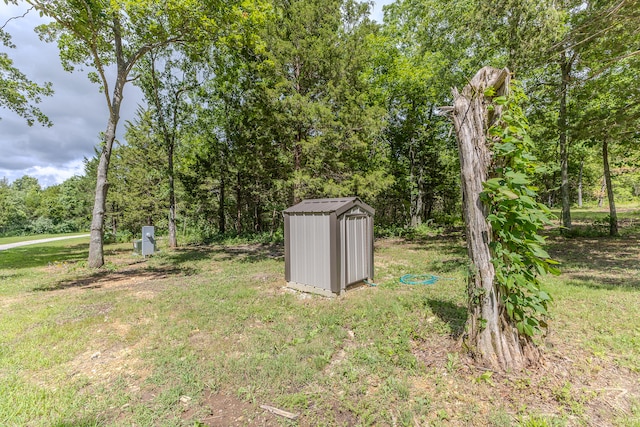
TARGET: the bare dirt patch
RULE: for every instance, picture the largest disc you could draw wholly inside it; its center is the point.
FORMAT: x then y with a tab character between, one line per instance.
221	410
102	365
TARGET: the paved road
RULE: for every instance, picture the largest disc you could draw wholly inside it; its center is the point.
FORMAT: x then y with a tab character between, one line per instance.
33	242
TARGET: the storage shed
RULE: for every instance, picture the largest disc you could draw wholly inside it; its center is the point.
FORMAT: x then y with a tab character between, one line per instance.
328	244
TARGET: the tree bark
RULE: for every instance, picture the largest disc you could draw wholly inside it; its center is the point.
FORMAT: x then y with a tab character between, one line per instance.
493	339
565	71
96	252
613	215
222	226
173	237
580	184
238	203
415	180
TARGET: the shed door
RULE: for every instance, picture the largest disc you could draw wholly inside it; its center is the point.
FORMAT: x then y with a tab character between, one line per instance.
357	248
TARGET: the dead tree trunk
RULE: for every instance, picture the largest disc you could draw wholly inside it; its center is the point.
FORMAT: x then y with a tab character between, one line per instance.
493	339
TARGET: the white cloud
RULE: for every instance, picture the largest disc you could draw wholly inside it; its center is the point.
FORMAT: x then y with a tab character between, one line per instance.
47	175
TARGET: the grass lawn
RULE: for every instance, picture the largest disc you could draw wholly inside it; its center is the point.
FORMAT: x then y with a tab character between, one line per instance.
202	336
16	239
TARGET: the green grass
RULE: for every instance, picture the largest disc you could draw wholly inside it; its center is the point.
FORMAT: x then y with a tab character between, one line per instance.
176	338
16	239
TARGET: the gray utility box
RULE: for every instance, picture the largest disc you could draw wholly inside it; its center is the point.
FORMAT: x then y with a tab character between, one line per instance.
146	245
148	240
328	244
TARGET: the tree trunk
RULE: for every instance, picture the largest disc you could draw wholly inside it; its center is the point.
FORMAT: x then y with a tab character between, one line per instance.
173	237
565	71
297	166
222	226
613	216
580	184
415	178
96	249
96	252
114	220
603	187
492	338
238	203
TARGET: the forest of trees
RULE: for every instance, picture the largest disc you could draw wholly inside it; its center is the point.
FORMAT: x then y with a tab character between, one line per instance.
274	101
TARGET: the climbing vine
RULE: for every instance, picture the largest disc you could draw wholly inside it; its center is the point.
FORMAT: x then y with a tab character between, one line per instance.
518	256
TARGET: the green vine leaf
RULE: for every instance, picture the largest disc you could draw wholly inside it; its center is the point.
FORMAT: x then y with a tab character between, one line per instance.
516	218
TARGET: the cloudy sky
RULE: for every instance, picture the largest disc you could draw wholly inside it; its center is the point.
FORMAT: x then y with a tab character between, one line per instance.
77	108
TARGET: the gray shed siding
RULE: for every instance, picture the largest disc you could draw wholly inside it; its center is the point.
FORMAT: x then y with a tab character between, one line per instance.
328	243
357	253
310	250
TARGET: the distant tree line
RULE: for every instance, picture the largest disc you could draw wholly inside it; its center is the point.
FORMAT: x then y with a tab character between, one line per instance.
26	208
288	100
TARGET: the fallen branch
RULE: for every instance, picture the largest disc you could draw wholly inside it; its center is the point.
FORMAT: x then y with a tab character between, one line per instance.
280	412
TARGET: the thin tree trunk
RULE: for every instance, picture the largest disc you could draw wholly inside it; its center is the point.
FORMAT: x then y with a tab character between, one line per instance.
297	146
492	338
565	71
114	220
173	235
613	216
415	178
580	184
297	166
603	187
221	201
238	204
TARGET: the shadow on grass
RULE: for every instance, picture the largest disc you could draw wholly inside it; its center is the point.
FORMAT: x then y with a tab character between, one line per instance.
40	256
453	315
250	253
189	254
451	246
606	283
599	263
105	278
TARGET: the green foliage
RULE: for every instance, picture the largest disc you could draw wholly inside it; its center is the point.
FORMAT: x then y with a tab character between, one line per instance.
516	218
26	208
412	67
17	92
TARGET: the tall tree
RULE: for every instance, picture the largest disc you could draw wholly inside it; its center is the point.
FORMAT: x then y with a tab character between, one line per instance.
166	78
98	34
611	24
138	178
605	39
326	120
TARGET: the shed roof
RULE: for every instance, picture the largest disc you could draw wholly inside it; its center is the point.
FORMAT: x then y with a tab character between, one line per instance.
337	205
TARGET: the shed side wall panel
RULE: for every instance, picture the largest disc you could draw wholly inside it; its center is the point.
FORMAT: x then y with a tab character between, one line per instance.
310	250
